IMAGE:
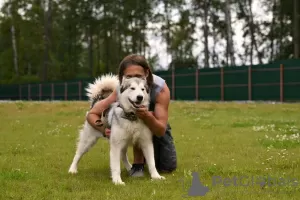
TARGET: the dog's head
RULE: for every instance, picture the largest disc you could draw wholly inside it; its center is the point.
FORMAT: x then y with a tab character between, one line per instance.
134	92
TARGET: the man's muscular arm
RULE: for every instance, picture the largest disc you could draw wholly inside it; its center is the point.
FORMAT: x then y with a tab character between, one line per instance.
94	115
157	122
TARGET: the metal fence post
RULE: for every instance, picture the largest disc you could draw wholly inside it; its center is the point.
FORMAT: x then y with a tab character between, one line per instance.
281	83
79	90
173	84
40	91
222	84
52	91
20	92
66	90
196	84
28	95
249	83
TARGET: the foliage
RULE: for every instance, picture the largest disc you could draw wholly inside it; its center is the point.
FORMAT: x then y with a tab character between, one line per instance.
63	39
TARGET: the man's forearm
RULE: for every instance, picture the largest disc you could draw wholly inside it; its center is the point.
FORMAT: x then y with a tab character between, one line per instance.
156	127
94	115
95	121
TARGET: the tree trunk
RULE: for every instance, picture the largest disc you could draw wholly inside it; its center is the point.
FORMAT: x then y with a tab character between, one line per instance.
98	53
272	31
230	47
281	29
251	47
252	30
14	45
134	38
90	39
13	38
296	29
168	30
47	24
106	40
206	33
215	61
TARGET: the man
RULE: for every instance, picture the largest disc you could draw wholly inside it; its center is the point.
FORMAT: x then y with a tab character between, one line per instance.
156	118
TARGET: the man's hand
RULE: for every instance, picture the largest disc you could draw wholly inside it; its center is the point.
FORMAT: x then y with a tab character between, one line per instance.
157	122
107	132
143	113
94	115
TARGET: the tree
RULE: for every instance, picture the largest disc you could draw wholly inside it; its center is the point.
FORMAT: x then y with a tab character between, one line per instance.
10	10
47	7
201	12
230	48
45	40
296	33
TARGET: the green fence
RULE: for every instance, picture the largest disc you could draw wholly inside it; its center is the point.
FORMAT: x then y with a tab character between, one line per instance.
279	81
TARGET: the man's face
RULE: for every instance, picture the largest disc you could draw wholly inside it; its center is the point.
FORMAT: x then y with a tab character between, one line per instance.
135	71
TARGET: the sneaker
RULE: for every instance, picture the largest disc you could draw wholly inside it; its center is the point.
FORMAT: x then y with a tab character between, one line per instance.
137	170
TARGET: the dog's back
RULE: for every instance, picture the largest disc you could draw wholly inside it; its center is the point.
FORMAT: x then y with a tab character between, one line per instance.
101	88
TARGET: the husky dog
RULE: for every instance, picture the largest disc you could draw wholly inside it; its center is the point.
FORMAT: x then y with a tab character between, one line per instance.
126	128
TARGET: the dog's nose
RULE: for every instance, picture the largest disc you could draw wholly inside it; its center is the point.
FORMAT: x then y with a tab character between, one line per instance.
139	97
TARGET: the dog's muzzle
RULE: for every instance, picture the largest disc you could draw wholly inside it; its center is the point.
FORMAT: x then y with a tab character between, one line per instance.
137	103
139	98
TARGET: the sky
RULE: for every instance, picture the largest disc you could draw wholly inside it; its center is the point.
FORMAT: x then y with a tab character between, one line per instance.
157	46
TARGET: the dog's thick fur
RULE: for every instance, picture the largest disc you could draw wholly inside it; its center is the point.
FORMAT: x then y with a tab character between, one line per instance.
126	128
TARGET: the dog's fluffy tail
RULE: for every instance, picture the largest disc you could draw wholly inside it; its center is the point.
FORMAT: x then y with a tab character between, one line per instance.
102	87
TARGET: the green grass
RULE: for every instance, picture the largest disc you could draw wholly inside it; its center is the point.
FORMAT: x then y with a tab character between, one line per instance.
37	145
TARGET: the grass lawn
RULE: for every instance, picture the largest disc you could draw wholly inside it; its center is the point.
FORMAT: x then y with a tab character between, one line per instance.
225	140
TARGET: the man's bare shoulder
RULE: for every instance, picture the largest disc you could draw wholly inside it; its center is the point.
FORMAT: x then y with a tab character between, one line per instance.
163	97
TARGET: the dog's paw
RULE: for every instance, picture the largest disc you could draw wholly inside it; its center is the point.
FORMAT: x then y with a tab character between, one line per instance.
128	167
158	177
118	182
73	171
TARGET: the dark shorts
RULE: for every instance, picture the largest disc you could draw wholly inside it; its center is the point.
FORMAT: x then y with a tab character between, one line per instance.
165	152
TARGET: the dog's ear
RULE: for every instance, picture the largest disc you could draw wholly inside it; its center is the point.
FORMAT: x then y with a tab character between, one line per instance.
124	79
123	88
147	89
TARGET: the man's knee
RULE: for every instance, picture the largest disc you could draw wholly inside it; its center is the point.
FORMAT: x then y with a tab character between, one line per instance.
166	158
168	168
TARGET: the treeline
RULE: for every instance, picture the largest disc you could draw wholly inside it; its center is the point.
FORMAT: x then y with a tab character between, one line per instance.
43	40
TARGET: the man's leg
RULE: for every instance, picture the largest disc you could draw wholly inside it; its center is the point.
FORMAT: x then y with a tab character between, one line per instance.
164	155
165	152
138	155
137	169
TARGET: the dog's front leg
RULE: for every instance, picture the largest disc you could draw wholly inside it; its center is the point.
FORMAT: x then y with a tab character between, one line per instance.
148	151
115	163
125	159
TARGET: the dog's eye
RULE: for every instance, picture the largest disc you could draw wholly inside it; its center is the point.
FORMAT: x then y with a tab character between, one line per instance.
132	88
143	89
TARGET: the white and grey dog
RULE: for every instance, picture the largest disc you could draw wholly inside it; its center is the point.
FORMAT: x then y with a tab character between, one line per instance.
126	128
